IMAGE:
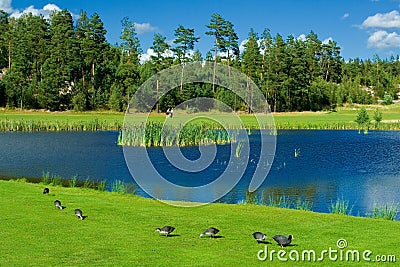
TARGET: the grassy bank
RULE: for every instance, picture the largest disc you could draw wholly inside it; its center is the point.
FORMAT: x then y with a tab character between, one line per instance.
119	231
343	118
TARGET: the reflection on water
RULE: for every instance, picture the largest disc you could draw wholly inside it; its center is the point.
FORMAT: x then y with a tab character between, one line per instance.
329	165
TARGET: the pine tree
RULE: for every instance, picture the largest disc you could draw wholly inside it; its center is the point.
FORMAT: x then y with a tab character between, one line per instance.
91	35
128	73
61	67
160	61
184	41
218	29
4	27
251	65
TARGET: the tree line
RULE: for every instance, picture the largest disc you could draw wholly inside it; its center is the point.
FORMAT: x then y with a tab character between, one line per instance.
59	64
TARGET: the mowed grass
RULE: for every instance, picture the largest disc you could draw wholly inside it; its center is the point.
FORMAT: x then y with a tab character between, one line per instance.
120	231
343	118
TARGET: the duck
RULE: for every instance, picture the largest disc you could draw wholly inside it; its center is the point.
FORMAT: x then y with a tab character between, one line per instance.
166	230
46	190
211	232
78	214
282	240
260	237
57	203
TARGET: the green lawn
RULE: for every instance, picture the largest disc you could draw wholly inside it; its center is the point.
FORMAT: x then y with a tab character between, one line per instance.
344	117
119	231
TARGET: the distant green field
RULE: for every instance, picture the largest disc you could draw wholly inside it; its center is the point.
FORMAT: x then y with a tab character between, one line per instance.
343	118
120	231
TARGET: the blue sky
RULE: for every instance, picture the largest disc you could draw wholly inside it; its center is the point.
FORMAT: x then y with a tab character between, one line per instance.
362	28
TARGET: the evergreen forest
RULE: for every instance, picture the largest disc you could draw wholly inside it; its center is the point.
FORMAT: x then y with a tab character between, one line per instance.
62	63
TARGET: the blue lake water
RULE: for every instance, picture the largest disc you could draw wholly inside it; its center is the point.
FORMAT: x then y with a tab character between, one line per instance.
363	169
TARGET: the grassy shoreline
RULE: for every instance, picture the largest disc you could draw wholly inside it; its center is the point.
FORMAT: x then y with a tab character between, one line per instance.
119	231
386	211
342	119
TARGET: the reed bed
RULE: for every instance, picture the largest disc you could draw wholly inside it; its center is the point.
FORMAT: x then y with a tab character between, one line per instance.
299	125
156	134
96	124
118	186
280	201
11	125
341	206
386	212
338	206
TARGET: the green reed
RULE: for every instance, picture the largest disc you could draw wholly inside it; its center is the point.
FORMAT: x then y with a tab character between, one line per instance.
46	178
299	125
301	204
340	206
119	187
73	182
101	185
21	125
278	201
87	183
386	212
155	134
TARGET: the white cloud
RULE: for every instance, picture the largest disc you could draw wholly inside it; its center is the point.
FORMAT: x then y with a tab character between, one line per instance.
51	7
150	52
386	20
45	11
384	40
345	15
146	56
302	37
6	6
142	28
326	41
242	44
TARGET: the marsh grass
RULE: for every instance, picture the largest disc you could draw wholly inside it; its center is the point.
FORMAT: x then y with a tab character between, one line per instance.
386	212
251	198
56	180
73	182
303	204
341	206
101	185
130	188
119	186
46	178
55	125
238	149
281	201
341	119
87	183
155	134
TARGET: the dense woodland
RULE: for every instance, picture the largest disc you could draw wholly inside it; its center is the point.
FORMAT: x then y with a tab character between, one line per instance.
62	64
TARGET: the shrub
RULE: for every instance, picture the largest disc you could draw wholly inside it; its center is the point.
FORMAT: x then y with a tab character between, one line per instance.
387	99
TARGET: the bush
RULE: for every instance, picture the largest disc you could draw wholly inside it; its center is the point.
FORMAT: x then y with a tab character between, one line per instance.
377	116
362	118
387	99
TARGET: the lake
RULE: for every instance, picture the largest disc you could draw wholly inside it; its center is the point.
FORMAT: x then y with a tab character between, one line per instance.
363	169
